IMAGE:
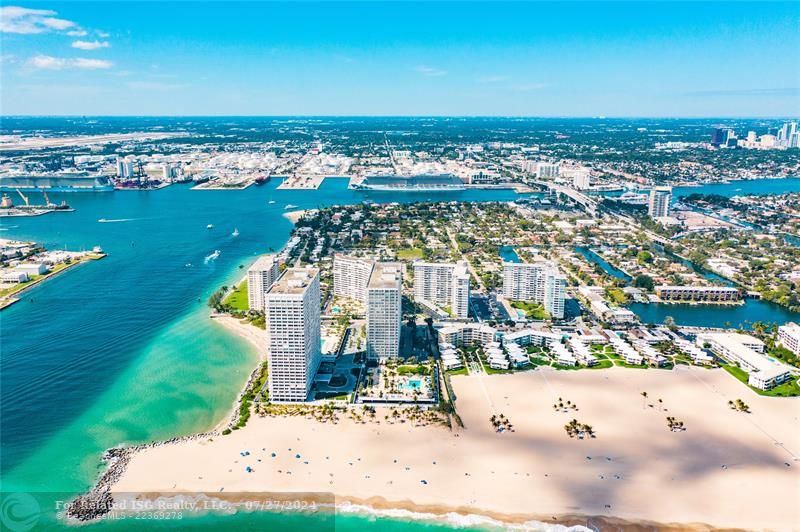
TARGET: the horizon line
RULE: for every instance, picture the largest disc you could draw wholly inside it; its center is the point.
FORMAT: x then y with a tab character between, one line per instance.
584	117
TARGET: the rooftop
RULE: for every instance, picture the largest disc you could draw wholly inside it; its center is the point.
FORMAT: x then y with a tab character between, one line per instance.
263	262
294	281
385	275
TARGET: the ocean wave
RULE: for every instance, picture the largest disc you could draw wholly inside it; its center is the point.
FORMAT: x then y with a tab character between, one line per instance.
454	519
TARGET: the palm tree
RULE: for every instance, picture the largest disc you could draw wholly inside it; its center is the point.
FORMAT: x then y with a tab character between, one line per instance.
660	403
644	398
730	404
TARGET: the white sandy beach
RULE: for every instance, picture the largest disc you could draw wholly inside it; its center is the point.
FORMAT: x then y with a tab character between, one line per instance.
726	470
257	337
295	216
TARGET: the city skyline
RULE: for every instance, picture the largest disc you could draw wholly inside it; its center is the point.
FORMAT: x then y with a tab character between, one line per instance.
448	59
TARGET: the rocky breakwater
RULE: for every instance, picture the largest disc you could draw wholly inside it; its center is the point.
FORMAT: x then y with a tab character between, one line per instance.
99	501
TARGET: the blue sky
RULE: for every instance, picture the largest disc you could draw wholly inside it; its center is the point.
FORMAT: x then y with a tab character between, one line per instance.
409	58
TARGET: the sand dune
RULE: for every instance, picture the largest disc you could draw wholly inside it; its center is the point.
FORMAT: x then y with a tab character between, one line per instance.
725	470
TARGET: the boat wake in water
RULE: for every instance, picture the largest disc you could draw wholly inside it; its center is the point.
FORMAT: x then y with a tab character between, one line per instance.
212	257
117	220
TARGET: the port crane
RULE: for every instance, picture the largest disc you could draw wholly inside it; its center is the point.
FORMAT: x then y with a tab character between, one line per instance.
140	173
24	198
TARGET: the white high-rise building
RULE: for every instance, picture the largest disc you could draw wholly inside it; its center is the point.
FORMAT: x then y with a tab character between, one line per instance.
581	180
351	276
789	337
120	167
293	331
444	284
658	204
384	311
260	277
540	282
547	170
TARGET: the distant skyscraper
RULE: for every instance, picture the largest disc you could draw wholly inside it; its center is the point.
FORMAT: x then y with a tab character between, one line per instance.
293	331
658	204
540	282
718	136
445	284
260	277
721	136
384	311
120	167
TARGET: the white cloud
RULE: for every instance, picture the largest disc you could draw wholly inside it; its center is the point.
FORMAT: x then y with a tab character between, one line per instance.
492	79
15	19
430	71
103	34
90	45
77	33
91	64
47	62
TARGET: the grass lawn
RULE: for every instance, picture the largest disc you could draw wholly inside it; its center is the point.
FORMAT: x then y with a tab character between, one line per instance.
409	254
556	365
602	364
492	371
460	371
413	370
533	311
237	299
787	389
626	365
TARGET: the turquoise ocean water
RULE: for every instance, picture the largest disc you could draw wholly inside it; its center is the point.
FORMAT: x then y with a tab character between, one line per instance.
121	350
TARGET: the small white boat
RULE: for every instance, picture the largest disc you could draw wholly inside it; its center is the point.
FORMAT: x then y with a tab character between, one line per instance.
270	202
235	232
211	257
290	206
210	226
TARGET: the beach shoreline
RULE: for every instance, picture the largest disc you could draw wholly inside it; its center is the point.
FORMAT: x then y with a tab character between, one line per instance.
295	216
460	464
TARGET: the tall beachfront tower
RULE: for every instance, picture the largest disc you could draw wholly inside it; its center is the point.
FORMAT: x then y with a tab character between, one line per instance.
260	277
539	281
658	204
444	284
384	311
293	328
351	276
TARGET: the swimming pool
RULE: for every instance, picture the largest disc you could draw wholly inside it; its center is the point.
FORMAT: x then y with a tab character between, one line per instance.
412	384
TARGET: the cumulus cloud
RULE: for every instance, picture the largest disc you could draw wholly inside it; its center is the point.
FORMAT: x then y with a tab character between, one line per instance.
15	19
90	45
47	62
77	33
430	71
90	64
